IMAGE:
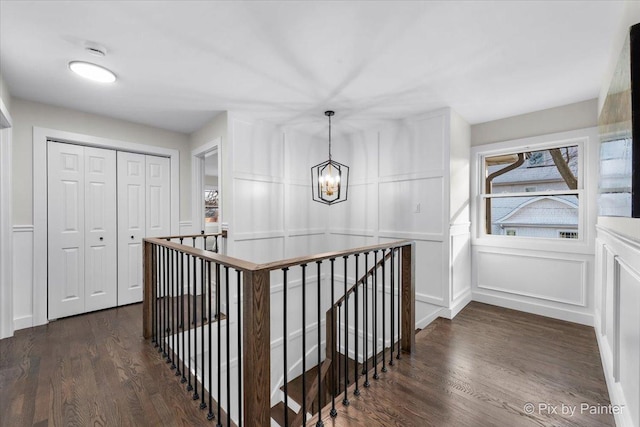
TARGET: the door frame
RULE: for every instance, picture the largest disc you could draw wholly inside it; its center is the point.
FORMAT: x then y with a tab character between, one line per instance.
197	184
6	224
40	215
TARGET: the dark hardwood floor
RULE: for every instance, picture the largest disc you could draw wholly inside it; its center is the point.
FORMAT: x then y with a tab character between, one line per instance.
482	369
477	370
91	370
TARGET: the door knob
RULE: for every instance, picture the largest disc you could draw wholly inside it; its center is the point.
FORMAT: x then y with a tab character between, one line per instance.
132	237
101	239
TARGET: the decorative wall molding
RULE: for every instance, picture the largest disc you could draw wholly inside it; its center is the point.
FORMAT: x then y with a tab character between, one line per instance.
511	258
23	228
617	323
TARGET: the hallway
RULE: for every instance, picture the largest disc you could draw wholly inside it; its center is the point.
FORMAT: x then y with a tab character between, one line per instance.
479	369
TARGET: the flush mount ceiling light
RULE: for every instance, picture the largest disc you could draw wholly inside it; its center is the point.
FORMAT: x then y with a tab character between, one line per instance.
92	72
329	179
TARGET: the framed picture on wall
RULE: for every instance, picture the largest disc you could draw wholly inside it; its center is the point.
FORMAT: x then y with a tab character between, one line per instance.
619	128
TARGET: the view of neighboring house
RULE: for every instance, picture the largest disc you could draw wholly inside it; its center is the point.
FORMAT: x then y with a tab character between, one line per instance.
553	214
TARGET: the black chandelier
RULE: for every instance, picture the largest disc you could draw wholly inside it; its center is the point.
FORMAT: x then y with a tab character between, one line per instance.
329	179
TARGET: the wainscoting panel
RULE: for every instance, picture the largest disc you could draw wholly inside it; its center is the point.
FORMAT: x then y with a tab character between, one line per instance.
304	213
460	264
535	276
415	148
629	337
618	330
359	211
260	250
259	206
22	276
414	206
257	149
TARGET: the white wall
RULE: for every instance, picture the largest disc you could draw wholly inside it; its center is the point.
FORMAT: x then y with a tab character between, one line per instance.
213	130
27	115
6	222
564	118
617	294
549	277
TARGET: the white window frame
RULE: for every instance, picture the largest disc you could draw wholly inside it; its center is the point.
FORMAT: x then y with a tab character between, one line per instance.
587	141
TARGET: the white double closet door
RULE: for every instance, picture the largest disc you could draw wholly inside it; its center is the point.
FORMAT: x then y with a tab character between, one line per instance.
101	204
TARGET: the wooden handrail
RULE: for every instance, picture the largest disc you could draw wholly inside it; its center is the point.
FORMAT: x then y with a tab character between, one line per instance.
227	261
222	234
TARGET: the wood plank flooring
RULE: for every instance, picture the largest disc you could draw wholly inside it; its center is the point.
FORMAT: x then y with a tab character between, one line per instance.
481	369
477	370
91	370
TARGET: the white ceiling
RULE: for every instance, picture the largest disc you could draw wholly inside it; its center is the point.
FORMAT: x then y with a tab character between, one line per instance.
179	63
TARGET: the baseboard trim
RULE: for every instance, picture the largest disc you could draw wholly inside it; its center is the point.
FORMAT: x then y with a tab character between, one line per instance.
458	305
528	307
425	321
22	322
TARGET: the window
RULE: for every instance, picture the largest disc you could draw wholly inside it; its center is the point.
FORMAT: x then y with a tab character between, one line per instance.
533	193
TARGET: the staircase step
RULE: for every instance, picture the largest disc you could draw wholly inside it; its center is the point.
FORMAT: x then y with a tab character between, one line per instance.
277	413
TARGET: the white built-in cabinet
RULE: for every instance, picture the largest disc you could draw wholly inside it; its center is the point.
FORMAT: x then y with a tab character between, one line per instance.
101	204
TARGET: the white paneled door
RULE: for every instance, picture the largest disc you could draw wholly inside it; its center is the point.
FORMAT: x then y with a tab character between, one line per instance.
158	196
143	210
101	204
131	225
81	229
100	229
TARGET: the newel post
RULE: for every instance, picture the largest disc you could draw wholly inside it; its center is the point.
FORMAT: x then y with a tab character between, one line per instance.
149	263
408	295
256	343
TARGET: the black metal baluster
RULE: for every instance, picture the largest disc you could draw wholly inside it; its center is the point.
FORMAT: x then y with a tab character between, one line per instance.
339	361
187	328
398	269
226	296
285	339
393	332
184	330
239	357
216	245
219	348
196	396
366	320
319	423
167	304
162	311
375	315
333	411
174	315
203	295
345	399
304	344
384	310
355	371
210	414
165	344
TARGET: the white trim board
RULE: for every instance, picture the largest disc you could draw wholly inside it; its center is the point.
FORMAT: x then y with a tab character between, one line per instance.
40	138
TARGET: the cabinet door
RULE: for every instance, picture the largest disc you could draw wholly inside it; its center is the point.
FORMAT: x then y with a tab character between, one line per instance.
100	229
65	197
158	189
131	225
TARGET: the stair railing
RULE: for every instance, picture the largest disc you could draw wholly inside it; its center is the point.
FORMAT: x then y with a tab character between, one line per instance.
210	316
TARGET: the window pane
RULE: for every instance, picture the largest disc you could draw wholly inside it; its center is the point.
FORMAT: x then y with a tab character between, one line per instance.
537	216
544	170
615	178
